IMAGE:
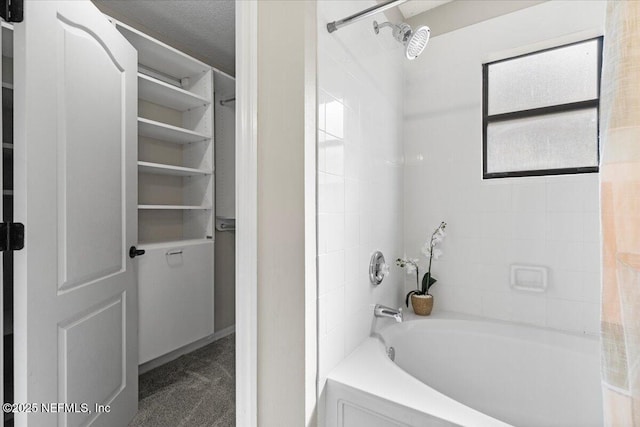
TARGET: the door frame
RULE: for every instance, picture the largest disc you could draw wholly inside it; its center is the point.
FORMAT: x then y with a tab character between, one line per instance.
247	211
246	267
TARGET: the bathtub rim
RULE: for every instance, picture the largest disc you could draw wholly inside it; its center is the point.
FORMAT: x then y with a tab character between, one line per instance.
535	333
393	384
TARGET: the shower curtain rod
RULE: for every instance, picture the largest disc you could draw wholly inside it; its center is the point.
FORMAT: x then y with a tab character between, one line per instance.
335	25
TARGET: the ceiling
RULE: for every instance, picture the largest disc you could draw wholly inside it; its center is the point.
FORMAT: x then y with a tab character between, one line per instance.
204	29
415	7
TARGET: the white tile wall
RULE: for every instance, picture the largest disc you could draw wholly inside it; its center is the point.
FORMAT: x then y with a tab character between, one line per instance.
550	221
360	177
399	150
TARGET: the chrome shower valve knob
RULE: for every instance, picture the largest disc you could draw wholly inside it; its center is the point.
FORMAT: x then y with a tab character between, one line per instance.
378	268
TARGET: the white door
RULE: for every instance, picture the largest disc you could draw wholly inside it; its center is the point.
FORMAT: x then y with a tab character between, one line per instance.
76	192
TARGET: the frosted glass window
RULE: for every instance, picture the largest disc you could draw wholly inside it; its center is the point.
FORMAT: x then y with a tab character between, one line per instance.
558	76
540	112
554	141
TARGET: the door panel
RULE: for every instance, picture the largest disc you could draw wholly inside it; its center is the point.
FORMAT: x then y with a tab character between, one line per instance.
76	192
86	254
92	359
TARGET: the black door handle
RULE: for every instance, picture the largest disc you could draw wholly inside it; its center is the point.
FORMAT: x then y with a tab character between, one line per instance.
134	252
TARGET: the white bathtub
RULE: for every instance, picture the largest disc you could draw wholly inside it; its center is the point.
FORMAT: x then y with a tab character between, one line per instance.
473	373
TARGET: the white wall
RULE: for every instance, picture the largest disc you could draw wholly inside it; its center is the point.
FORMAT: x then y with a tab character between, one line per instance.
286	321
359	176
550	221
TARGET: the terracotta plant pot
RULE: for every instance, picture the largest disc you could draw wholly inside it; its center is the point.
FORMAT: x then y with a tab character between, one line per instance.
422	304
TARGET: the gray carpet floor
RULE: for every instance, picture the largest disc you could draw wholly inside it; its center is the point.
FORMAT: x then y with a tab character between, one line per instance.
195	390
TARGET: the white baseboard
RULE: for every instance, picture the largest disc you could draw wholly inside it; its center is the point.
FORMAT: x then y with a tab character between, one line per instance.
152	364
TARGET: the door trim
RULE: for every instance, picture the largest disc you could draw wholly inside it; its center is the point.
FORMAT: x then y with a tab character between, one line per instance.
246	212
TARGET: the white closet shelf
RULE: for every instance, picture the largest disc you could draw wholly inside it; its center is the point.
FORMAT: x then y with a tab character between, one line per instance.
7	145
160	56
7	192
165	132
6	85
173	207
165	94
173	244
161	169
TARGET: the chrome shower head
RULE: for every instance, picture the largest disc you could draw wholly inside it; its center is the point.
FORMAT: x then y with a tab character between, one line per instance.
413	41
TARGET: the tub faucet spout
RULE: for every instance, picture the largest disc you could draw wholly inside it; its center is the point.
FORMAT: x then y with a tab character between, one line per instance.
383	311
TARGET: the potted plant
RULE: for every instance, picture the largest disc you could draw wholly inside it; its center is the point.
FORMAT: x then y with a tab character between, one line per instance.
421	299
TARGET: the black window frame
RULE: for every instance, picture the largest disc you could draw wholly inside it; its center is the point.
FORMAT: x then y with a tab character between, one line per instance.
537	112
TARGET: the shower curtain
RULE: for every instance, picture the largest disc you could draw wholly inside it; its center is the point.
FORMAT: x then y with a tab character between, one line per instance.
620	214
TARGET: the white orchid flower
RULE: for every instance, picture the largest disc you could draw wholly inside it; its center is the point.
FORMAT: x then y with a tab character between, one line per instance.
410	264
431	253
426	250
438	236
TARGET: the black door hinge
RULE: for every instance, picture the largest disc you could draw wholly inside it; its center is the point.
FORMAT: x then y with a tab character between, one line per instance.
11	236
12	10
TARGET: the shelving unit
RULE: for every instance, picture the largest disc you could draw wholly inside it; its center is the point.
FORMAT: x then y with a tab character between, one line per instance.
175	196
6	211
160	57
174	207
166	132
156	91
175	138
161	169
174	244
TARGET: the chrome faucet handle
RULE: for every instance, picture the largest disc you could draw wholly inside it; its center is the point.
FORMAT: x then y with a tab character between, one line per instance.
384	307
383	311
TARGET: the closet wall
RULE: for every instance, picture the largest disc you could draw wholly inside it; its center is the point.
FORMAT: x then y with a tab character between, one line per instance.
225	155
